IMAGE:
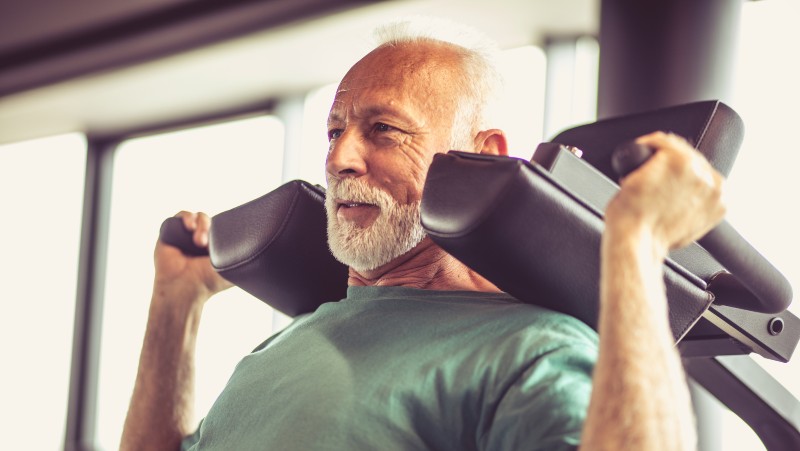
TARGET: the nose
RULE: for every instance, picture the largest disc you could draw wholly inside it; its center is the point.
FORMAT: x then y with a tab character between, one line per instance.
346	156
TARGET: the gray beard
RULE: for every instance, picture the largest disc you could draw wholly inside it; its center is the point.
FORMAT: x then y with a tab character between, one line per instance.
396	230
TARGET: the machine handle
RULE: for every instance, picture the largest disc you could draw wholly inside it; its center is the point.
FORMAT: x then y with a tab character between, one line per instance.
769	291
175	234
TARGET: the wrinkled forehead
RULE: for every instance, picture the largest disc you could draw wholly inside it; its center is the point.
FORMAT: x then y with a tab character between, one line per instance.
411	72
354	82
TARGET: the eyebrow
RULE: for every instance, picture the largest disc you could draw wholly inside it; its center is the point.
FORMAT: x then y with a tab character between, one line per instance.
374	110
333	117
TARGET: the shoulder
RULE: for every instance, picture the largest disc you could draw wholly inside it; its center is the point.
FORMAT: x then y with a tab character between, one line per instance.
493	314
517	337
540	324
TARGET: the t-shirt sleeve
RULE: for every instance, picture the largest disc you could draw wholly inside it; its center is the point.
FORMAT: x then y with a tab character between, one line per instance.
190	441
544	409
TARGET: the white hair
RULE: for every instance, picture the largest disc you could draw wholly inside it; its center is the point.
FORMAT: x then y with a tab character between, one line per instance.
480	87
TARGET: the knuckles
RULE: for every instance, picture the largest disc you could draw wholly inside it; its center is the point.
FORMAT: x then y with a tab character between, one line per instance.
194	220
677	193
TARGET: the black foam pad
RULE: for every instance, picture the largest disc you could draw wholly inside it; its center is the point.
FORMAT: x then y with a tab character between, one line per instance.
511	222
711	126
275	247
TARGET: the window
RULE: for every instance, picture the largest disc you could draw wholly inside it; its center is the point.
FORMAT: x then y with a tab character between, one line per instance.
209	169
572	77
522	107
41	197
767	94
316	107
764	181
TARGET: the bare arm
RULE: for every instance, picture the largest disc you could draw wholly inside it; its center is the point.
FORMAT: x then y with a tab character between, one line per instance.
640	399
161	409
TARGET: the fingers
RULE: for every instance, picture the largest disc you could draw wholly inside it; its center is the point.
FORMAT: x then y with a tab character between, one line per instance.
185	273
676	193
681	158
199	224
674	152
661	139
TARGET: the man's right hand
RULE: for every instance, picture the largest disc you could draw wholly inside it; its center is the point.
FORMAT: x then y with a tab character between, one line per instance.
180	276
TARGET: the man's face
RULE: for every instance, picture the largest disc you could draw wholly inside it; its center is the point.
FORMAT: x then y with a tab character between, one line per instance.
392	112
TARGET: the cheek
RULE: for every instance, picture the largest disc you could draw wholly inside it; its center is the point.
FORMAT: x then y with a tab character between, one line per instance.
418	152
402	177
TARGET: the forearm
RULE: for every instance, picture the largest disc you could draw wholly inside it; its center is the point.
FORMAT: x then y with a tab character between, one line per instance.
161	408
640	399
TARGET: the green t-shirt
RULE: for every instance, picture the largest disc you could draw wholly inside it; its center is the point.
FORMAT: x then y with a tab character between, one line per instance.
395	368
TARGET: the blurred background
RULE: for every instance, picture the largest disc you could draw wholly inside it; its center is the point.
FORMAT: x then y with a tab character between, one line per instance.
116	115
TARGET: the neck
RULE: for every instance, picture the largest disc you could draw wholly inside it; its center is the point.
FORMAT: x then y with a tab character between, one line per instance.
426	266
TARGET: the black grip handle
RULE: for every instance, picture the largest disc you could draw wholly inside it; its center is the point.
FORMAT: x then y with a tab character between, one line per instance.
175	234
769	290
629	156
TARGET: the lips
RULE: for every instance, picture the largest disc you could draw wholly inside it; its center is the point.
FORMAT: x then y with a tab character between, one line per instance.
351	204
360	213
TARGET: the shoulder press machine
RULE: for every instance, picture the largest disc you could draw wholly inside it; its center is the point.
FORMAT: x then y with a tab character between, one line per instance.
533	228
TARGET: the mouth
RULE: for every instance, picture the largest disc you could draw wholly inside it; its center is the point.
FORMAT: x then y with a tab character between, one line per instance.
358	212
352	204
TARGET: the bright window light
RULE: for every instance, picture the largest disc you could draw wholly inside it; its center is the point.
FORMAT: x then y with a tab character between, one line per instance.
209	169
522	111
764	182
572	72
315	133
41	197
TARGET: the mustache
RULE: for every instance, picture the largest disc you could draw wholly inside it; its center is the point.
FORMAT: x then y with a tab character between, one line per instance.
355	190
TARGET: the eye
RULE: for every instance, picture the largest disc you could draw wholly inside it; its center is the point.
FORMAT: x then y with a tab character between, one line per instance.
381	127
334	133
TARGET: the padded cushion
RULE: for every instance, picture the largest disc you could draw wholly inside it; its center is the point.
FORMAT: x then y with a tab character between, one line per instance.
275	247
711	126
511	222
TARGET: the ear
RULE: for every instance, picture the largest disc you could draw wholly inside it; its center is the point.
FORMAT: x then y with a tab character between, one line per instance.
491	142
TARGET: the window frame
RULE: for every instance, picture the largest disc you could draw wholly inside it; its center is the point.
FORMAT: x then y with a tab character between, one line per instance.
80	428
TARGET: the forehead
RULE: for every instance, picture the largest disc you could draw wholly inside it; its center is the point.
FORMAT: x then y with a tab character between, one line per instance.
410	75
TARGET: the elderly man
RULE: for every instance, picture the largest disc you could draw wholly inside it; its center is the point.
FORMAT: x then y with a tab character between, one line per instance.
424	353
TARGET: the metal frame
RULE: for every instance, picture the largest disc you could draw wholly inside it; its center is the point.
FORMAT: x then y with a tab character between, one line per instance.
81	410
754	395
715	356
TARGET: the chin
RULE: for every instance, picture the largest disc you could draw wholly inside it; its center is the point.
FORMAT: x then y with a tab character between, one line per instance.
395	231
368	248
